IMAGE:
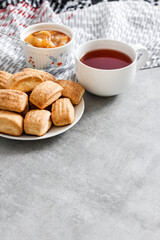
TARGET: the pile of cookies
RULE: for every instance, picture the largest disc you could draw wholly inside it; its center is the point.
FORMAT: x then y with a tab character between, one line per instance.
33	100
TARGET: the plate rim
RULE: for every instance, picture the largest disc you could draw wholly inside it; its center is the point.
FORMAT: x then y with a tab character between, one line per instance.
35	138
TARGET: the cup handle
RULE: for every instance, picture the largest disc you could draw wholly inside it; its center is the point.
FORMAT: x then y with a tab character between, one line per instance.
143	58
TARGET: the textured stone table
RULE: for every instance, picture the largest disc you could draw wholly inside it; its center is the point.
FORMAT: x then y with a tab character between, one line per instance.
99	180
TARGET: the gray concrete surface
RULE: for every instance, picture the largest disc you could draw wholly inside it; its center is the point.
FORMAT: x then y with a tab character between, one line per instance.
100	180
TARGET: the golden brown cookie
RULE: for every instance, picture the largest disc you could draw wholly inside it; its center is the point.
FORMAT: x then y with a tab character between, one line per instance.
24	81
4	76
37	122
72	90
11	123
44	75
45	94
13	100
62	112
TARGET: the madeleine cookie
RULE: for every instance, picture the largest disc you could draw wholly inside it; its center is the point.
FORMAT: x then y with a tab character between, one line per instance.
13	100
45	94
44	75
11	123
62	112
24	81
37	122
4	76
72	90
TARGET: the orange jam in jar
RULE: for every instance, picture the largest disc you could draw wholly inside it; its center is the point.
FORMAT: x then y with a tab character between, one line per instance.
47	39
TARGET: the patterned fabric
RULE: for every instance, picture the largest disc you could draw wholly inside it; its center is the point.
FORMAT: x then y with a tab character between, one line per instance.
64	5
129	21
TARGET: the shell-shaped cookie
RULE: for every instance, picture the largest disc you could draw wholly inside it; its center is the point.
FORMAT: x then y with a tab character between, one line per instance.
4	76
11	123
37	122
45	94
24	82
72	90
13	100
44	75
62	112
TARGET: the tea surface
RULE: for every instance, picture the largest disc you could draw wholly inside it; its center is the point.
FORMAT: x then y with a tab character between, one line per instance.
106	59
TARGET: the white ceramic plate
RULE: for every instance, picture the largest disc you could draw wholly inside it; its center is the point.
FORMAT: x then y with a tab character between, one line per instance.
79	109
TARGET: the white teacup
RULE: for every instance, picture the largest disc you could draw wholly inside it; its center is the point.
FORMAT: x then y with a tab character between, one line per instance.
109	82
41	58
